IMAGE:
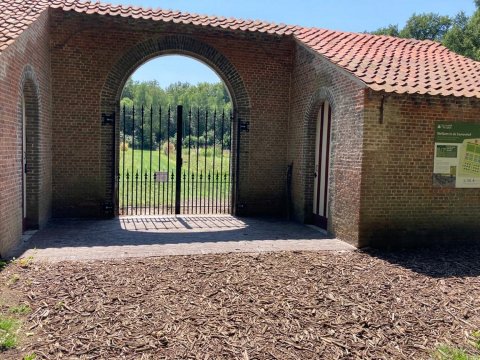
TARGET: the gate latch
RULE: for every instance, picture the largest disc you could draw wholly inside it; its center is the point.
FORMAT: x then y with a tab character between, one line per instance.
245	126
108	119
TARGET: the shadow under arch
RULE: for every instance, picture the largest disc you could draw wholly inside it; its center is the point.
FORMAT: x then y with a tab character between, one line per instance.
145	51
322	95
30	120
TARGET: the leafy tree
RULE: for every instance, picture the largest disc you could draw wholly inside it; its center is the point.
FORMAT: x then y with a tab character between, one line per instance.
148	96
459	33
426	27
390	30
127	89
464	37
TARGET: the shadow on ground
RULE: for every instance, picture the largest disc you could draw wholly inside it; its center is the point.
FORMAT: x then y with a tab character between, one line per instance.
146	236
143	230
437	262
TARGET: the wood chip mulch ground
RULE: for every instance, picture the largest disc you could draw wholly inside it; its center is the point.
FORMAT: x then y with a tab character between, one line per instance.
306	305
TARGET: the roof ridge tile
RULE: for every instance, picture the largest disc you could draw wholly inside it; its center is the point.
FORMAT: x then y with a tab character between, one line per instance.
383	63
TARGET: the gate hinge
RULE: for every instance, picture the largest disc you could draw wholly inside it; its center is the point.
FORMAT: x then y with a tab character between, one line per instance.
108	119
245	126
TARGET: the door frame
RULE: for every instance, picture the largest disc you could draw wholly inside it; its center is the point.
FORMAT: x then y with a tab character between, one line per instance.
323	133
24	165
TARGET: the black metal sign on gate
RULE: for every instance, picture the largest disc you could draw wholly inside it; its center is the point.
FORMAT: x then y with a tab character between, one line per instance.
175	162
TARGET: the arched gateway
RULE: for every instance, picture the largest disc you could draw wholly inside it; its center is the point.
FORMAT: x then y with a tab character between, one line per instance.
179	191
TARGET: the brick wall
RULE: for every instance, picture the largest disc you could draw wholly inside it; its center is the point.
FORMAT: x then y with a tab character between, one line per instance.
25	67
85	49
315	80
399	205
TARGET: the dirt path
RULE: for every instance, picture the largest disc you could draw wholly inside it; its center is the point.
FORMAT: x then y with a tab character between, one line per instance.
293	305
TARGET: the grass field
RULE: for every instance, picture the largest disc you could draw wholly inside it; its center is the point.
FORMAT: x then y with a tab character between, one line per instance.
141	160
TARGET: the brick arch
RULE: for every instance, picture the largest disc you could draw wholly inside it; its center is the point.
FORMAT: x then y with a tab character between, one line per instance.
309	132
169	45
29	78
135	57
29	91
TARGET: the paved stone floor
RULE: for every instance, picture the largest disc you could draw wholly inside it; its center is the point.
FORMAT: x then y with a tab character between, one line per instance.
171	235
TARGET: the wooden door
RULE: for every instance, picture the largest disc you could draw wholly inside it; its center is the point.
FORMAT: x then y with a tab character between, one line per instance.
322	166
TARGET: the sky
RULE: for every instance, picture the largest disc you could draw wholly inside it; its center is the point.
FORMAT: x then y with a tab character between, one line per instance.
346	15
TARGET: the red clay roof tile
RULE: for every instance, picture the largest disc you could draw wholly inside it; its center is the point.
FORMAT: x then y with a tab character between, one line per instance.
382	63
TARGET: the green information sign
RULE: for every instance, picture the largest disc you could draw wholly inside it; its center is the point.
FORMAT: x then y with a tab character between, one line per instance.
457	155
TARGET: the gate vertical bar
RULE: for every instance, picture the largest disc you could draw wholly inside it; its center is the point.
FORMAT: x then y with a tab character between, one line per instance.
168	154
151	170
133	155
205	164
141	160
189	159
178	174
198	156
124	153
184	176
154	181
213	171
159	154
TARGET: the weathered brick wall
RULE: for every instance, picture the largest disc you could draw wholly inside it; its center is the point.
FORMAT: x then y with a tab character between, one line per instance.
399	204
84	51
26	62
315	80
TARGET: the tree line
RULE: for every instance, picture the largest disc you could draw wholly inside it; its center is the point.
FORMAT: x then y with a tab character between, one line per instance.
207	109
459	33
150	93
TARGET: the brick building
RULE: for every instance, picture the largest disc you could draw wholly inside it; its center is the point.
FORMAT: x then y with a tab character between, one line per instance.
351	115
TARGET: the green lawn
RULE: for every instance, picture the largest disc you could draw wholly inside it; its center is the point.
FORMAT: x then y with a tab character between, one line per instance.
209	162
200	190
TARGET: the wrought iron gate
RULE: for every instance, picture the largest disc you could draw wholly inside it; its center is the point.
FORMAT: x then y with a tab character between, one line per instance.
175	162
